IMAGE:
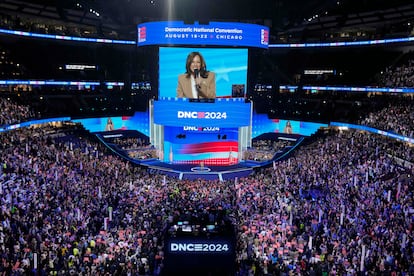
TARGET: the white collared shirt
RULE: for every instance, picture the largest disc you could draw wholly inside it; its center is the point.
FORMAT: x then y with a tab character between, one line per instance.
193	87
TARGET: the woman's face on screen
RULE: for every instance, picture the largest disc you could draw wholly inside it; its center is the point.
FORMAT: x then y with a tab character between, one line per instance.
195	63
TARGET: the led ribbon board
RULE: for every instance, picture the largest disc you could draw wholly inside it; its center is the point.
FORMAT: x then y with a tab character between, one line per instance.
215	33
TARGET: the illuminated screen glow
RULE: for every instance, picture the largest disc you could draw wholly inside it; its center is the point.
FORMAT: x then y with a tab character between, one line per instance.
222	113
262	124
215	33
216	252
196	133
212	147
229	65
139	121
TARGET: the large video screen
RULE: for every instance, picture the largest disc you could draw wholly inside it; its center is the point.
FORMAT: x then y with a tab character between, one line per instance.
139	121
213	255
221	113
196	133
262	124
210	145
229	65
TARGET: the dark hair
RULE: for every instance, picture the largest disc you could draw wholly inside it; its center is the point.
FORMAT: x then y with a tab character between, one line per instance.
203	69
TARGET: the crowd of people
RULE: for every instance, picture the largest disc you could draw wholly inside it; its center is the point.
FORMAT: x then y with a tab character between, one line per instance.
54	206
361	219
398	76
127	143
395	118
69	207
36	25
265	149
11	113
133	147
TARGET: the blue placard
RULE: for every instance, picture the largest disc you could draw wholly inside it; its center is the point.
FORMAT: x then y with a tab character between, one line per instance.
224	113
215	33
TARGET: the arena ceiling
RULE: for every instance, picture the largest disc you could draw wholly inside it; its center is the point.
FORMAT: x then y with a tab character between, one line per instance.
282	16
